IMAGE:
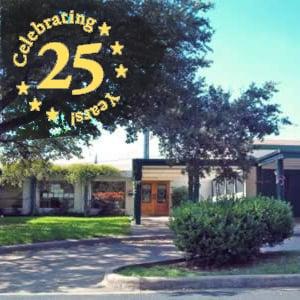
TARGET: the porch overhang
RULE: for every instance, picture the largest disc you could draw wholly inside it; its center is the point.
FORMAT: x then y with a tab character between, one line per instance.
272	157
279	160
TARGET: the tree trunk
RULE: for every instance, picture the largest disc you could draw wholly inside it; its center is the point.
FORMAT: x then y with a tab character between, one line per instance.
196	185
193	180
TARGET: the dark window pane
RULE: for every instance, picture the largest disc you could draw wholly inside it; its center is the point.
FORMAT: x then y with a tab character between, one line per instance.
146	193
109	191
240	186
161	193
57	194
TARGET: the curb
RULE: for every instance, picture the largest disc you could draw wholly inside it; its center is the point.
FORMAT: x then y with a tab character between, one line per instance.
72	242
116	281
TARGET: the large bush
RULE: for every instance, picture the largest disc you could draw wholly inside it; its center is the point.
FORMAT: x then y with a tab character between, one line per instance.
230	231
179	196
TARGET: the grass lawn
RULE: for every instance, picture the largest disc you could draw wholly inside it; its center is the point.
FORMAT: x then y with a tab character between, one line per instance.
23	230
275	263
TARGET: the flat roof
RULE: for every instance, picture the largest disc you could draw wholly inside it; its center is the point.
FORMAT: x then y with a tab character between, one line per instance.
277	144
278	154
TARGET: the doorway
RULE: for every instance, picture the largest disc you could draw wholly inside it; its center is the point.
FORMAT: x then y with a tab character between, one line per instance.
293	190
155	198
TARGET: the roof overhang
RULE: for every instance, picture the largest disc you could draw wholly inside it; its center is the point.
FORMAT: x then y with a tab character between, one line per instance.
276	155
276	146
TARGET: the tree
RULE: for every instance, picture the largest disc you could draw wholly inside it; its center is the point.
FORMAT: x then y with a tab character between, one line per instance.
209	125
158	36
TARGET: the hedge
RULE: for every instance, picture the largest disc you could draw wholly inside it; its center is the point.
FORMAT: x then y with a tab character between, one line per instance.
230	231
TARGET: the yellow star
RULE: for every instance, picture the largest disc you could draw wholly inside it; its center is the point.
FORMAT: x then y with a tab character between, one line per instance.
23	88
52	114
117	48
35	105
104	29
121	71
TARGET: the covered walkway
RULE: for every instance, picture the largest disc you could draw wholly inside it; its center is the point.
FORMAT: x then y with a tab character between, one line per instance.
278	176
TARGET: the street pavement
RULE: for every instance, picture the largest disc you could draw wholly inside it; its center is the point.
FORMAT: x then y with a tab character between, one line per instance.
83	267
227	294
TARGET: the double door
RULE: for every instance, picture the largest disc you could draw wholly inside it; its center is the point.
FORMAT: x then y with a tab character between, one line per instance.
155	198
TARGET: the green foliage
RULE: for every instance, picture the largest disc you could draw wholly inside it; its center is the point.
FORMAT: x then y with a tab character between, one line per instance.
84	172
42	149
230	231
15	173
179	196
209	124
276	216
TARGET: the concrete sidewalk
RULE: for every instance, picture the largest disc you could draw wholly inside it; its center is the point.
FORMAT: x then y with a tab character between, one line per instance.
152	226
291	244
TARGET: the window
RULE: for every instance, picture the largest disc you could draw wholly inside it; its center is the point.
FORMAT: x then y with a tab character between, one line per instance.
161	193
232	187
146	193
239	186
109	191
10	197
57	194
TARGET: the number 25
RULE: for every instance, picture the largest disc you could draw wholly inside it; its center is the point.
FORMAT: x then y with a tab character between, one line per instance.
63	55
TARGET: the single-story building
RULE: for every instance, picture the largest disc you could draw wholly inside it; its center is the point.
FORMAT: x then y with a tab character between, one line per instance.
147	189
58	196
276	173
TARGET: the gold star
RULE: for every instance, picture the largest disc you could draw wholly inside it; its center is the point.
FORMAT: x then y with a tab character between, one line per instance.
117	48
52	114
23	88
35	105
104	29
121	71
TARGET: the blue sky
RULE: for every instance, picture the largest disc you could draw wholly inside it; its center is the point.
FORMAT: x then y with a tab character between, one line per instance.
255	41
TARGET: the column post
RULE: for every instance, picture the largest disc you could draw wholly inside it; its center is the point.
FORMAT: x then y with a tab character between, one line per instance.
137	178
280	179
259	180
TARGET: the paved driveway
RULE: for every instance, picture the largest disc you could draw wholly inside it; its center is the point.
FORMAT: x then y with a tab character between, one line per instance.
81	268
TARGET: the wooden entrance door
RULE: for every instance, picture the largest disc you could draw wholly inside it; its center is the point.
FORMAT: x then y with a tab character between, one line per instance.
155	198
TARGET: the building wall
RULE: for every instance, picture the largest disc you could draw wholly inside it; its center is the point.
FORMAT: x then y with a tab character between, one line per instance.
177	177
251	183
26	197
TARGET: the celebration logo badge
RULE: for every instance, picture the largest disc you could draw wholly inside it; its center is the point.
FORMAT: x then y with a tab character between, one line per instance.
80	61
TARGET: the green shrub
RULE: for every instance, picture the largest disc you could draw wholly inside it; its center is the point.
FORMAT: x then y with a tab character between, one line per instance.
230	231
84	172
277	217
179	196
